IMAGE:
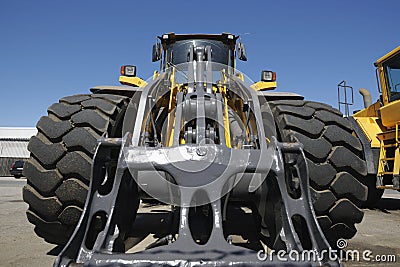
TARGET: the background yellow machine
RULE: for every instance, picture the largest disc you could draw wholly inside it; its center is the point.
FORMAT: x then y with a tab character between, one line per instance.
379	128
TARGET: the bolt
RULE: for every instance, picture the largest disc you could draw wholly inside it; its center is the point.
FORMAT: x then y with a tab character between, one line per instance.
201	151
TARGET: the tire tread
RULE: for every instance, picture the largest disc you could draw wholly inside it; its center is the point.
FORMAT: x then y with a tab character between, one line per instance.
334	159
59	168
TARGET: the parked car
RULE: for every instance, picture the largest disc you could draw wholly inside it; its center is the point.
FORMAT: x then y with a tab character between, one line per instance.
16	169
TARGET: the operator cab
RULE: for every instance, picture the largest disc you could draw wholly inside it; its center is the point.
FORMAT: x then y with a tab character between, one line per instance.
392	69
388	75
176	48
173	50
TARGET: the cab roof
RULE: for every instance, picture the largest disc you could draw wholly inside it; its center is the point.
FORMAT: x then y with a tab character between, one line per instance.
227	38
387	56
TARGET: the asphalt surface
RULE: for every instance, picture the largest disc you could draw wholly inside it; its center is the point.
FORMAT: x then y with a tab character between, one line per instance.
19	246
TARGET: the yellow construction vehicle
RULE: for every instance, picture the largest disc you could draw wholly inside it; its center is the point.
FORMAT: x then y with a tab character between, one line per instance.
379	128
235	167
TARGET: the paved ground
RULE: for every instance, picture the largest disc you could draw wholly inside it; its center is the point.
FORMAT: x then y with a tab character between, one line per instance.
18	244
20	247
379	230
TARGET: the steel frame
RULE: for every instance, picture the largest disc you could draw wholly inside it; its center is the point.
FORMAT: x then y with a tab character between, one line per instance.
92	245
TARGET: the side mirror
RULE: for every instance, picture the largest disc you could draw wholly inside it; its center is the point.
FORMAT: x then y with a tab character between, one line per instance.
241	51
156	54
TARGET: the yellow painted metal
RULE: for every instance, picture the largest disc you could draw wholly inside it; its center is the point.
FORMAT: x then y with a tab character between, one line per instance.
388	56
371	129
226	123
389	145
171	120
386	187
240	76
392	137
382	164
382	74
380	123
396	164
383	84
171	114
390	114
226	115
397	133
389	137
155	74
260	86
177	87
133	81
371	111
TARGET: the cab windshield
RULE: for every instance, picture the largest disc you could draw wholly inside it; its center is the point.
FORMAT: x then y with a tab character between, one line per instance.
392	68
178	52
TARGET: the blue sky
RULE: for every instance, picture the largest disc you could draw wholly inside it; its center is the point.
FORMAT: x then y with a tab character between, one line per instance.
51	49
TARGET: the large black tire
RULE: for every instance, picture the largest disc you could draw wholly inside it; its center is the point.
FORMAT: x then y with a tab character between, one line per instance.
374	194
335	162
58	171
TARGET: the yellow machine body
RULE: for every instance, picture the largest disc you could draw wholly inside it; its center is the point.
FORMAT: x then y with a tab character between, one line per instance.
380	121
132	81
260	86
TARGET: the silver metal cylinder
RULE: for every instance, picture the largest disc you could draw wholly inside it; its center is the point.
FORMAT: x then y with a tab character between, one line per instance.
366	97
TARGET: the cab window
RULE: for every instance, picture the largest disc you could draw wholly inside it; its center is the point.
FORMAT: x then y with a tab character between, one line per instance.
392	68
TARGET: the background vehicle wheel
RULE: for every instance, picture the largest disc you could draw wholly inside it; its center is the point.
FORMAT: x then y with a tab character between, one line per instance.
374	194
334	158
58	171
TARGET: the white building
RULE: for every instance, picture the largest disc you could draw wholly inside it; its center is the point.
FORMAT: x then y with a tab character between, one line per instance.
13	146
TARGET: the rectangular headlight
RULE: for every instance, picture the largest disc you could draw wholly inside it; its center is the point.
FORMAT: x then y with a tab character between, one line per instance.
268	76
128	70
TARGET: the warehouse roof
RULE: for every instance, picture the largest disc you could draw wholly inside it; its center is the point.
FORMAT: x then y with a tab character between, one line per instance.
14	141
14	149
17	133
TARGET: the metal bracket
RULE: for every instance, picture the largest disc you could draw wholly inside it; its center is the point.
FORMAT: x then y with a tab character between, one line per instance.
195	167
184	251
